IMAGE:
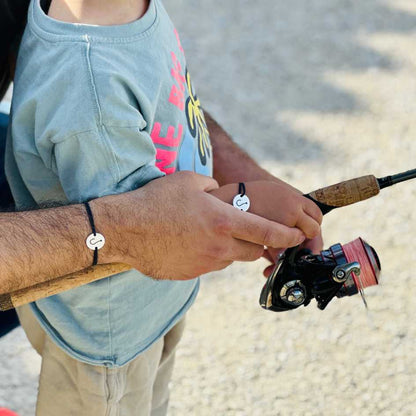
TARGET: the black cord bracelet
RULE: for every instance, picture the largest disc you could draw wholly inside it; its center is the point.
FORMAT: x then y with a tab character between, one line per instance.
94	241
241	189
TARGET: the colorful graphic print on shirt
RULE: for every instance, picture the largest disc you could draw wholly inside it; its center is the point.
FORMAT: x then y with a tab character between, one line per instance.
189	147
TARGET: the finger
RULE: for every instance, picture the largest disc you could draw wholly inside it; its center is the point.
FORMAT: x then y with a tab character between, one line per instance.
308	225
250	227
313	210
245	251
225	193
275	253
207	183
315	245
203	182
268	270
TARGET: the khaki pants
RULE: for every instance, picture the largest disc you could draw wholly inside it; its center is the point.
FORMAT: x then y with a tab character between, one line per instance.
70	387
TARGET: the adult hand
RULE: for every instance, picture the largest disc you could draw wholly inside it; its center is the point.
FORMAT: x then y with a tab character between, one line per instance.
179	230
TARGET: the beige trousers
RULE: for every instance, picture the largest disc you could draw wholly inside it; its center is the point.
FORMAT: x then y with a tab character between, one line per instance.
70	387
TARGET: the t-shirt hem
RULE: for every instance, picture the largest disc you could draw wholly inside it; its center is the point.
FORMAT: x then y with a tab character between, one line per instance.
123	359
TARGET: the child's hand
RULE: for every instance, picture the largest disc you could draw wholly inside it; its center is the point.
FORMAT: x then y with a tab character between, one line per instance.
279	202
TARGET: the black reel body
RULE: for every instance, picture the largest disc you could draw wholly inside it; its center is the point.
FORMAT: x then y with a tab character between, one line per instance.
301	276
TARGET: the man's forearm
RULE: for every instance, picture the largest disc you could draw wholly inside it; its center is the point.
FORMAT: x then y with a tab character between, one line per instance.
42	244
37	246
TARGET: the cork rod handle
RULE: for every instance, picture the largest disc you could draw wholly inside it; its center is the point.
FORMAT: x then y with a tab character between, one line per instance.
347	192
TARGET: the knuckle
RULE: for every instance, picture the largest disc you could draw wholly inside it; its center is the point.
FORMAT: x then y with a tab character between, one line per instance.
292	218
317	214
315	211
222	225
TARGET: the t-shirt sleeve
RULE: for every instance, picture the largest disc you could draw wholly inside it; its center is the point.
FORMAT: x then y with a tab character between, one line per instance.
103	161
87	121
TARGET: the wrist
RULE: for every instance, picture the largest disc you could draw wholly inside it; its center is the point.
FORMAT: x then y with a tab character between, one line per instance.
124	225
107	223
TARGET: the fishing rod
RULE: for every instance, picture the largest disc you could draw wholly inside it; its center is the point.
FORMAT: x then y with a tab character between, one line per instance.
355	190
300	275
342	270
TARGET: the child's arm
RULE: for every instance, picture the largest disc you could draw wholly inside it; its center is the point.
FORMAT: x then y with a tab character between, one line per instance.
277	200
270	196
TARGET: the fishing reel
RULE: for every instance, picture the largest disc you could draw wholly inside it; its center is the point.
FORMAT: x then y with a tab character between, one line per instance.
300	276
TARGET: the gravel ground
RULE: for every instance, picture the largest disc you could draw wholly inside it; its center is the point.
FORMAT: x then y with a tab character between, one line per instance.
317	91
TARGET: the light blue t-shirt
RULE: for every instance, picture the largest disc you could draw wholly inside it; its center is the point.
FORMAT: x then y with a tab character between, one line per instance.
100	110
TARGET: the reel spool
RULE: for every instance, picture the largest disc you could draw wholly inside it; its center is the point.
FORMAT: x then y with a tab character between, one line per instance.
300	276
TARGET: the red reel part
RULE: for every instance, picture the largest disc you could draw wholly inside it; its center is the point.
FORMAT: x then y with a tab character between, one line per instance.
358	250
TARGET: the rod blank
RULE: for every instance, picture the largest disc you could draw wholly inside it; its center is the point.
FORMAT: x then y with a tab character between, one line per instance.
393	179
